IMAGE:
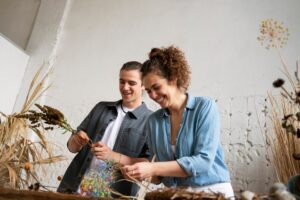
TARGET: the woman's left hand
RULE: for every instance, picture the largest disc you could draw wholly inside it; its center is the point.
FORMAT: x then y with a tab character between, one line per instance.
101	151
138	171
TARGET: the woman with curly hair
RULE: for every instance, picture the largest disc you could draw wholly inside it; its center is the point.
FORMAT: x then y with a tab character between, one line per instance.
184	134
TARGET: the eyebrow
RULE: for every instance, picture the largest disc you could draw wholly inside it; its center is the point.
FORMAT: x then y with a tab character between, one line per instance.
152	86
133	81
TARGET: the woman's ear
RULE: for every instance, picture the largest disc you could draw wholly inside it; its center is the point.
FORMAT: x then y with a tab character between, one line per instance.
173	81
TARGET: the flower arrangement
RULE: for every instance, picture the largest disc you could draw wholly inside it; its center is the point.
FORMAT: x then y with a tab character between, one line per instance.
273	34
47	118
21	157
285	116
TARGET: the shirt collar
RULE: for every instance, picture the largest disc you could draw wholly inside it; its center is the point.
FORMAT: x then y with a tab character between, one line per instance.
189	105
135	113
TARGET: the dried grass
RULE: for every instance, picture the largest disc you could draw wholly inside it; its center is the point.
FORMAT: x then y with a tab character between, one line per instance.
283	145
16	147
285	109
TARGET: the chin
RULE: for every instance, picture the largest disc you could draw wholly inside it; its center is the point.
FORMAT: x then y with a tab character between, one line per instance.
126	98
163	105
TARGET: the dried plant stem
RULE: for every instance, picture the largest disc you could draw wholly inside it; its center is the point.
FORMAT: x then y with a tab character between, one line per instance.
285	70
283	144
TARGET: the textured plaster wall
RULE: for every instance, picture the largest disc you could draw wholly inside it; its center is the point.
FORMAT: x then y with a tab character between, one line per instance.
86	42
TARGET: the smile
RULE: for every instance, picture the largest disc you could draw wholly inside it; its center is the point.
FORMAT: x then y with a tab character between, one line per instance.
160	100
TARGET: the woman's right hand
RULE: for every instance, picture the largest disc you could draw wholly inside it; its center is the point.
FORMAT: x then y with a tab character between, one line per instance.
138	171
77	141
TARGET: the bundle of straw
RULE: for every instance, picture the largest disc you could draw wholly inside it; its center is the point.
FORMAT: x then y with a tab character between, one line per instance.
19	155
284	145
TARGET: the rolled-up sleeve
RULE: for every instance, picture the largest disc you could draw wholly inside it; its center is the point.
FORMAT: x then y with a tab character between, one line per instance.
207	136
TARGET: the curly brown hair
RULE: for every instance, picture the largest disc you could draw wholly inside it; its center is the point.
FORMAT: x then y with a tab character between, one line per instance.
170	63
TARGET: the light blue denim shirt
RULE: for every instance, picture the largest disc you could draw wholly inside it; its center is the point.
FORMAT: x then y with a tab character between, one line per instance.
198	148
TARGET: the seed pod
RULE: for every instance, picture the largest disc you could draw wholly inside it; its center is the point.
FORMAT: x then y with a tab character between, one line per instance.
59	178
27	166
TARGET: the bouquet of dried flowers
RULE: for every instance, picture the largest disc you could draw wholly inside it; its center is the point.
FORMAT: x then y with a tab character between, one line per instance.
285	115
46	118
20	156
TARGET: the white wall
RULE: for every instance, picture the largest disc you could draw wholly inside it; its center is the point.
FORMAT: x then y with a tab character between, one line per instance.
17	19
13	62
86	42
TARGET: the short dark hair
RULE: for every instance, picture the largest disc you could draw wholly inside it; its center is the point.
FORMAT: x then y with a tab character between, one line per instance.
132	65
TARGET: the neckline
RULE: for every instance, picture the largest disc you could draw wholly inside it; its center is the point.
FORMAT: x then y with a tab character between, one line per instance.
123	109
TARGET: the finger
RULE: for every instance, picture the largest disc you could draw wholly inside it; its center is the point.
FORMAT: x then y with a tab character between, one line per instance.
100	157
122	170
127	168
134	176
125	175
97	152
97	144
83	135
83	141
101	144
100	154
79	141
83	138
99	149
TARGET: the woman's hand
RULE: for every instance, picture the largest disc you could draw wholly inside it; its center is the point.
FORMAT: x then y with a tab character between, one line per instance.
138	171
102	151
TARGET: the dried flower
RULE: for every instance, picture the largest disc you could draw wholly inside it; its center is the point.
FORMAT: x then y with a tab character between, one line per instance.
35	186
278	83
285	115
27	166
20	157
30	187
47	118
273	34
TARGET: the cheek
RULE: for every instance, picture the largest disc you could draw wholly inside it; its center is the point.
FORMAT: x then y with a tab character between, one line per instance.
162	91
151	96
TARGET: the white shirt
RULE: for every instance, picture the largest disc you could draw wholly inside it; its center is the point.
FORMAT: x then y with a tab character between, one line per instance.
109	138
112	130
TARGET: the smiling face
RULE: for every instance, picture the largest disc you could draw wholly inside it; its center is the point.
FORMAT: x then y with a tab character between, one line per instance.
130	86
160	89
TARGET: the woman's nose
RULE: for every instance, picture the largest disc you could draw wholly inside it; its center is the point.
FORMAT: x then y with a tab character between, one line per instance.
152	95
